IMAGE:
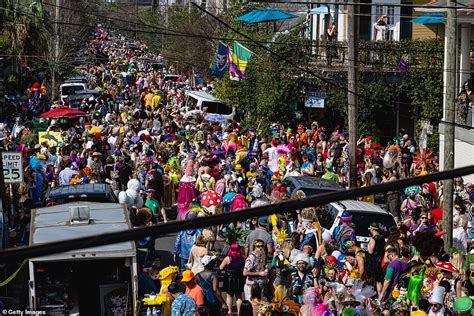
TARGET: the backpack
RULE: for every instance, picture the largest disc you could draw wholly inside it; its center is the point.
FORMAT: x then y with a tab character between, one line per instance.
206	285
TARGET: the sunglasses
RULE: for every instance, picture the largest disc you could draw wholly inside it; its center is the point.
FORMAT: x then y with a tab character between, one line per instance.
424	217
258	246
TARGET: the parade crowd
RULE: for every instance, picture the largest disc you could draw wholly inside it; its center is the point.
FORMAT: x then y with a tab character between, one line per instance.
167	161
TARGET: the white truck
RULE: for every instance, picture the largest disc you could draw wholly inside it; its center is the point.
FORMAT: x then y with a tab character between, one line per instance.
99	280
71	86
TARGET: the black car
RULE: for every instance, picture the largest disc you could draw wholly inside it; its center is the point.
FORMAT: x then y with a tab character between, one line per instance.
310	185
97	192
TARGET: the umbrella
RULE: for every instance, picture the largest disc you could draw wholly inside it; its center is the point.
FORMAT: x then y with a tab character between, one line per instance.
430	18
63	111
323	9
258	16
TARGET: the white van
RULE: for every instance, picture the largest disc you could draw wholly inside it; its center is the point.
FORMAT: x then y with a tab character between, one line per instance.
363	214
203	101
71	86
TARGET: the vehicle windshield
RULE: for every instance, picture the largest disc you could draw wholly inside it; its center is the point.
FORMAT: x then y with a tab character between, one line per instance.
73	198
70	90
216	107
362	221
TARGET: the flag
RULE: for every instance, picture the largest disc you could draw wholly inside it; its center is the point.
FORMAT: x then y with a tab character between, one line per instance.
402	66
221	64
238	58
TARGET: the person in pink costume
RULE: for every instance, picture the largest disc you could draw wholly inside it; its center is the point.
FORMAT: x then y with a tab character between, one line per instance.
187	191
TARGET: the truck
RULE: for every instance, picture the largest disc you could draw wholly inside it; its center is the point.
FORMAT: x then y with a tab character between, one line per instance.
88	281
203	101
71	86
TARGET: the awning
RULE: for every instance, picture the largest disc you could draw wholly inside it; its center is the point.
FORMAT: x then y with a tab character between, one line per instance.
258	16
429	18
323	9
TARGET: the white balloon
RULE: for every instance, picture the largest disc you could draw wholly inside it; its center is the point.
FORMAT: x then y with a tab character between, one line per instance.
326	236
336	253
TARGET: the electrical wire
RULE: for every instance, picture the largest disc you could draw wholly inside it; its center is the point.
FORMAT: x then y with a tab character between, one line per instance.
161	229
401	5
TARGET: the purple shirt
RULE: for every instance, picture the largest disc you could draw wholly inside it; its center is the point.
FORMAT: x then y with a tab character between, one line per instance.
394	270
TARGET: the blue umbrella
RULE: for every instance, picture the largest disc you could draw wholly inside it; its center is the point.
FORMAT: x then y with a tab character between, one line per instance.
430	18
258	16
323	9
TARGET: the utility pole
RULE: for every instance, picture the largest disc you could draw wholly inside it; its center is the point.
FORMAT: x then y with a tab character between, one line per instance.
352	86
450	83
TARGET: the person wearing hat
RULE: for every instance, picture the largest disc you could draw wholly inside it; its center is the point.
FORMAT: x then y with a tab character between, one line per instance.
329	174
193	289
302	278
182	305
463	306
255	268
209	282
380	29
437	302
66	174
350	302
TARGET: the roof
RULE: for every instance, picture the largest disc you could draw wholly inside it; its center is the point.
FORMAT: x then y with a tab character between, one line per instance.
464	9
353	205
314	183
79	188
51	224
203	95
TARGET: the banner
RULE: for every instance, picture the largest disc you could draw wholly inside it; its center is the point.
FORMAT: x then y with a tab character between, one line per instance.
220	66
53	139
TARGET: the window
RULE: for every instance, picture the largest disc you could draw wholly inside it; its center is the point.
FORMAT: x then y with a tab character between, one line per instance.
390	15
391	11
327	216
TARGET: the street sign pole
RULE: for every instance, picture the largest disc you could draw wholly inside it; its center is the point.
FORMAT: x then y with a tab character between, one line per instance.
4	205
12	172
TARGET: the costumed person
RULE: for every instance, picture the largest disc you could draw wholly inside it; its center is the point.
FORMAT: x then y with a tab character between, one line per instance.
344	232
413	198
313	303
437	302
187	191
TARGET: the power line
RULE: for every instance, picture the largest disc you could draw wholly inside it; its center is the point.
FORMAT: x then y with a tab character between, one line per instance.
402	5
41	250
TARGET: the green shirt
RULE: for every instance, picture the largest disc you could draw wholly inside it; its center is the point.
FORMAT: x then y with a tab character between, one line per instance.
153	205
330	176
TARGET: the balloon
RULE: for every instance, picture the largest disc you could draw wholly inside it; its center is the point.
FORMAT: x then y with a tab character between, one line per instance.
326	236
340	258
331	259
336	253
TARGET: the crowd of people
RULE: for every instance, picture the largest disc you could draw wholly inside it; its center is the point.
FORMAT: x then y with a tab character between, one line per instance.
158	152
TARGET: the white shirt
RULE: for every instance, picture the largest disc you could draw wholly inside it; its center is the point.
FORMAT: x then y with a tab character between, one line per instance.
65	176
460	239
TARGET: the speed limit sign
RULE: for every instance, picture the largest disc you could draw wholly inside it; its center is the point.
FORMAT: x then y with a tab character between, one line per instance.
12	167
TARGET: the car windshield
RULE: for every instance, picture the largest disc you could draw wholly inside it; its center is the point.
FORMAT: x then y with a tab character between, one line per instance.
89	198
70	90
216	107
362	221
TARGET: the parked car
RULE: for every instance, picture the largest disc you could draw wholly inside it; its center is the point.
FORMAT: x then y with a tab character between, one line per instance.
97	192
363	214
310	185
